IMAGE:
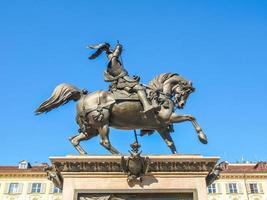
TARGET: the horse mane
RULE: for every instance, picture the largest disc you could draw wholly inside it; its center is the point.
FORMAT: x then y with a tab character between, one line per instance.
157	82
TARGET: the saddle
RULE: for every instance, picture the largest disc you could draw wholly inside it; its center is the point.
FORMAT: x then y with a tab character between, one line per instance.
124	95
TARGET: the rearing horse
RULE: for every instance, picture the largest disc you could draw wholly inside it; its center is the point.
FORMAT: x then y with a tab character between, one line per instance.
98	111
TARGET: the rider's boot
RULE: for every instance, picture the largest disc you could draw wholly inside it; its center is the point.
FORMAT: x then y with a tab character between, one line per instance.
146	105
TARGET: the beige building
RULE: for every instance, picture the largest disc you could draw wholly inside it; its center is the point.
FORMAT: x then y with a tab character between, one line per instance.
244	181
26	182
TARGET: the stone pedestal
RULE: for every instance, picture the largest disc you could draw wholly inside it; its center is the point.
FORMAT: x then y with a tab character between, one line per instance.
169	177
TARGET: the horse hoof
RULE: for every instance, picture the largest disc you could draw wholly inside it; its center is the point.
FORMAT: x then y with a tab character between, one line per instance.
202	138
83	153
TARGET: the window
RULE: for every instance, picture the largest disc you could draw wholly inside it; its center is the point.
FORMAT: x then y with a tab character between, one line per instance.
36	188
56	190
13	188
232	188
24	165
212	188
253	188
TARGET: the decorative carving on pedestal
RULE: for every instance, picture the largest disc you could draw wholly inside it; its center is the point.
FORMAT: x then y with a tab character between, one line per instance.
128	196
103	197
215	173
154	166
54	176
135	166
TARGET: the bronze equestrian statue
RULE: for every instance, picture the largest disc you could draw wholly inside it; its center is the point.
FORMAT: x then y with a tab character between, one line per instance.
128	105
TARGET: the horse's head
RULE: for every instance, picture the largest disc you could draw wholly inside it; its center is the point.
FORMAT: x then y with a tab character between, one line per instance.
181	92
174	85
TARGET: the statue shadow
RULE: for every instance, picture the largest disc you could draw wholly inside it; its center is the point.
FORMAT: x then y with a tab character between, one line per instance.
144	181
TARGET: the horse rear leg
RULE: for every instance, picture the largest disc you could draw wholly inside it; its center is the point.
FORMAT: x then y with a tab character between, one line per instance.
104	135
165	134
76	139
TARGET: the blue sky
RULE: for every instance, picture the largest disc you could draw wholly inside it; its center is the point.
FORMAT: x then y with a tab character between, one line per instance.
220	45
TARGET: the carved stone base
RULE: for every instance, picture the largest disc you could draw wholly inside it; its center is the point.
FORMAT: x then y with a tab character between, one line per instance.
101	177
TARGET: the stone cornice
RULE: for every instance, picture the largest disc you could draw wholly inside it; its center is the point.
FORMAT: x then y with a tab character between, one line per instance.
23	175
158	164
243	175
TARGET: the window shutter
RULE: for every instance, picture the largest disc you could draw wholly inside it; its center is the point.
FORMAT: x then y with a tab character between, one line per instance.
240	188
51	188
248	188
227	188
20	188
208	190
218	187
30	188
260	188
43	187
6	188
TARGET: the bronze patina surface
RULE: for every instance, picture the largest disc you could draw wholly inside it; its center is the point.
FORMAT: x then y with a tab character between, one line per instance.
128	104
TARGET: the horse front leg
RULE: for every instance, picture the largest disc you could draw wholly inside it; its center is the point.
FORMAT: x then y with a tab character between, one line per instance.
165	134
182	118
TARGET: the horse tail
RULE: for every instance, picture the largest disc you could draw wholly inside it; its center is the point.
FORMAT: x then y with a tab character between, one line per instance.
61	95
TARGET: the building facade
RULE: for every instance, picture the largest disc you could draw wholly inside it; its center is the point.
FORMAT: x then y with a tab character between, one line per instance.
244	181
26	182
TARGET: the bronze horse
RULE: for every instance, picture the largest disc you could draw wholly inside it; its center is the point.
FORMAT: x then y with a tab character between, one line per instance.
99	110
